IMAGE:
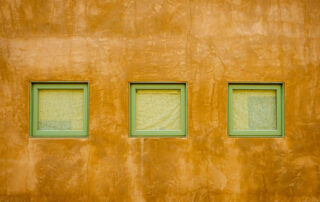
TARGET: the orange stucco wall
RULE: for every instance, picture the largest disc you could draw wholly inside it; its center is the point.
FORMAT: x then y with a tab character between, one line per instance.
203	42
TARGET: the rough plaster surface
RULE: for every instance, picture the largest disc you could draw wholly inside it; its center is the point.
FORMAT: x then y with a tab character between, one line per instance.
203	42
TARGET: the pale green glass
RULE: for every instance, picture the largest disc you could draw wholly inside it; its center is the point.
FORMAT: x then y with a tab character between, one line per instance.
158	109
60	109
254	109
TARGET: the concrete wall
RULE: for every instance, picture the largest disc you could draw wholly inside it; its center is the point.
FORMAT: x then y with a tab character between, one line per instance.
203	42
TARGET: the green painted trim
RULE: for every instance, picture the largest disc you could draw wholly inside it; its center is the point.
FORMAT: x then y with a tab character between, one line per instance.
34	132
279	132
158	82
157	133
186	109
30	109
283	109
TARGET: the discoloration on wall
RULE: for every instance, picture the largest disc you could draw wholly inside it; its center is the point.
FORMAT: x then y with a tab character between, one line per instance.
205	43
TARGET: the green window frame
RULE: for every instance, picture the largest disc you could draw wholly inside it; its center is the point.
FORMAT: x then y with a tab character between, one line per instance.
34	93
133	132
279	131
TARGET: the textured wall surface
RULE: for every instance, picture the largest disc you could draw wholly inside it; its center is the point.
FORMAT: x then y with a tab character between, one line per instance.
206	43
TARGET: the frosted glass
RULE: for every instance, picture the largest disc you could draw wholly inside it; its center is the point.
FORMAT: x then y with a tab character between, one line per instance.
158	110
254	109
60	109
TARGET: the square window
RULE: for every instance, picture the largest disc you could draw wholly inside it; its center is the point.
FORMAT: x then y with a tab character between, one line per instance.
157	110
255	110
59	110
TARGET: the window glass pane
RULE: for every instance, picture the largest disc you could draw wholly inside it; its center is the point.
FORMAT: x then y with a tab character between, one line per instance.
158	109
254	110
60	109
